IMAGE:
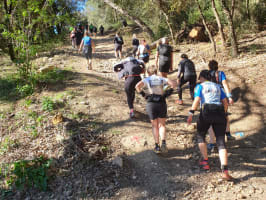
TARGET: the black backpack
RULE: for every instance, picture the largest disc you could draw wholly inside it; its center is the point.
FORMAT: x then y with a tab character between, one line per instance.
214	76
189	67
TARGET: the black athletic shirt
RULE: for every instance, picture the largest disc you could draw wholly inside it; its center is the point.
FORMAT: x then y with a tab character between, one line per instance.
135	42
187	68
118	40
165	51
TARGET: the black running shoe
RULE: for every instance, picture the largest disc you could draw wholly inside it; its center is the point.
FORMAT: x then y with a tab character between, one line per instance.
157	150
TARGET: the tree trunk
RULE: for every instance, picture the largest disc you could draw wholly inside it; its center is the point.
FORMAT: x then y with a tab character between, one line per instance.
170	27
233	8
133	18
164	9
247	8
218	20
231	29
206	27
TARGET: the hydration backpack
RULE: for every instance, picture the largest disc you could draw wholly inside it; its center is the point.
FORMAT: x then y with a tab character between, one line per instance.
215	76
189	67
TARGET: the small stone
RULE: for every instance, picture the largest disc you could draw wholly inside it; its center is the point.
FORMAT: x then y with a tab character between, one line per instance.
241	196
186	193
118	161
134	177
177	165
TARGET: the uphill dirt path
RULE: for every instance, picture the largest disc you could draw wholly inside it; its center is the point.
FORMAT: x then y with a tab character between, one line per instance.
126	167
176	175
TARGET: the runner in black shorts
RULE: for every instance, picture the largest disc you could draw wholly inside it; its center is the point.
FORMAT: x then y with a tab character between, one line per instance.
135	44
118	41
156	105
213	113
165	57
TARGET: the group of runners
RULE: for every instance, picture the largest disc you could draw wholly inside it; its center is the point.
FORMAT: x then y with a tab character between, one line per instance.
211	94
81	39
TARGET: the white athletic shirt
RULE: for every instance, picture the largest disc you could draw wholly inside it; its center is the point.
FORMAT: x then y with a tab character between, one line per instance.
155	84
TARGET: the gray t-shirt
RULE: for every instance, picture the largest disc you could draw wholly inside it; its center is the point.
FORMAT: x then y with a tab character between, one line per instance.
155	84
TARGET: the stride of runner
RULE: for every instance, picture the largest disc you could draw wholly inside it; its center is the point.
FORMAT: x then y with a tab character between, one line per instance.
88	47
130	69
213	111
186	73
118	41
165	56
135	44
156	105
220	78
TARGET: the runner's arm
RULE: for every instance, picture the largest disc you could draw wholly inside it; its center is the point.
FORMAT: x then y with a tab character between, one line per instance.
81	45
172	60
93	46
194	106
139	86
171	83
157	58
227	91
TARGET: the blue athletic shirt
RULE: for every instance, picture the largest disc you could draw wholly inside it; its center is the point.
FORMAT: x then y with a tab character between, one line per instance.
87	40
209	92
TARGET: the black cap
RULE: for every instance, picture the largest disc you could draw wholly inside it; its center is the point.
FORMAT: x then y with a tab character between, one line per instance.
205	74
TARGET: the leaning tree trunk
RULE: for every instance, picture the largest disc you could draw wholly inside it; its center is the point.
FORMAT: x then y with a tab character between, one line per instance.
170	27
206	27
231	29
133	18
233	4
164	10
218	20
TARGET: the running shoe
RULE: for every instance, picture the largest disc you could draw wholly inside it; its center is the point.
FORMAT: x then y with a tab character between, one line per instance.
164	148
230	137
131	114
226	176
157	150
204	165
179	101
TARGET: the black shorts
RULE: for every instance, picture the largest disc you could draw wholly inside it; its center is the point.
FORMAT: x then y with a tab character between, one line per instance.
135	49
164	66
87	51
156	110
218	123
145	59
118	47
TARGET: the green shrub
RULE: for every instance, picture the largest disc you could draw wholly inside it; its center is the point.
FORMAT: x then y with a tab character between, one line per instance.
48	104
25	90
30	173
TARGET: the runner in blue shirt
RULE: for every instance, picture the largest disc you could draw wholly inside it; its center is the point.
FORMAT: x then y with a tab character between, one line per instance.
87	46
220	78
213	110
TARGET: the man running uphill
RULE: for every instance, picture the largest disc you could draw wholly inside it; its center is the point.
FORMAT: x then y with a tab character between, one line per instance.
186	73
213	113
130	69
156	105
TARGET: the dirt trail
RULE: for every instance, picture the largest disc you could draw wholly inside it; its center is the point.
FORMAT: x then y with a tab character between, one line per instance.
143	175
176	175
